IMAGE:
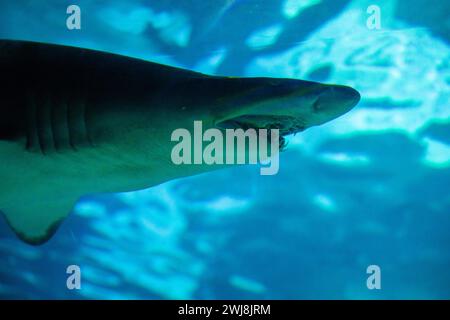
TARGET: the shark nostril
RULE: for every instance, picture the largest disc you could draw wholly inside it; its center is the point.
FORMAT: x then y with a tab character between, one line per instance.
347	96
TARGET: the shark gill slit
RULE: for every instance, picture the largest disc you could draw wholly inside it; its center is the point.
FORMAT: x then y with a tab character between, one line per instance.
44	125
32	136
73	124
59	124
77	124
69	125
56	135
55	124
85	122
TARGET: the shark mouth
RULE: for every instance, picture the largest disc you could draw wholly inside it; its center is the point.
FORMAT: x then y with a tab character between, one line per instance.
285	124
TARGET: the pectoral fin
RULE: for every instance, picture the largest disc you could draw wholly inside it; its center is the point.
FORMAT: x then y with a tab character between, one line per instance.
37	222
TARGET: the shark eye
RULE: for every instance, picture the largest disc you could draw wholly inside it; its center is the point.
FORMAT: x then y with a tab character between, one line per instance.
316	105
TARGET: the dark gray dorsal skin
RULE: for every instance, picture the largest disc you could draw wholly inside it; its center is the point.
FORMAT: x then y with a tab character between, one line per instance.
76	121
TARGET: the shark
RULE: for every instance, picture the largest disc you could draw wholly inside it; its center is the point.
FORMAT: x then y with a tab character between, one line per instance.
75	122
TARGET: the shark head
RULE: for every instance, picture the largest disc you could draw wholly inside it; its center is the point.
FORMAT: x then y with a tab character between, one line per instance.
289	105
240	104
286	104
143	122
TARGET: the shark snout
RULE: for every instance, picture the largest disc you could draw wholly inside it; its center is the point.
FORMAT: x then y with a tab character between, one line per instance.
288	104
333	101
293	97
337	98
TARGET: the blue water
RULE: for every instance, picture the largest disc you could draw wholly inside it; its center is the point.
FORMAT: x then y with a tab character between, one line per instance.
370	188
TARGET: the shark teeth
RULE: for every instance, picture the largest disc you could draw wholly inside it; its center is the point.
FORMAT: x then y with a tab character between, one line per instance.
279	125
286	124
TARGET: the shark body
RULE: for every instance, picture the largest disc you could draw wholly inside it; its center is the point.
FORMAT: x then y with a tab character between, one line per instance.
76	121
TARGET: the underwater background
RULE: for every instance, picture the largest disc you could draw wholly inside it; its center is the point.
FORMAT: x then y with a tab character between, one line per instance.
372	187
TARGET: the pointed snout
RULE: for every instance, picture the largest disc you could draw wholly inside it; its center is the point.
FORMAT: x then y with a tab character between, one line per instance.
336	100
306	103
317	103
325	100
